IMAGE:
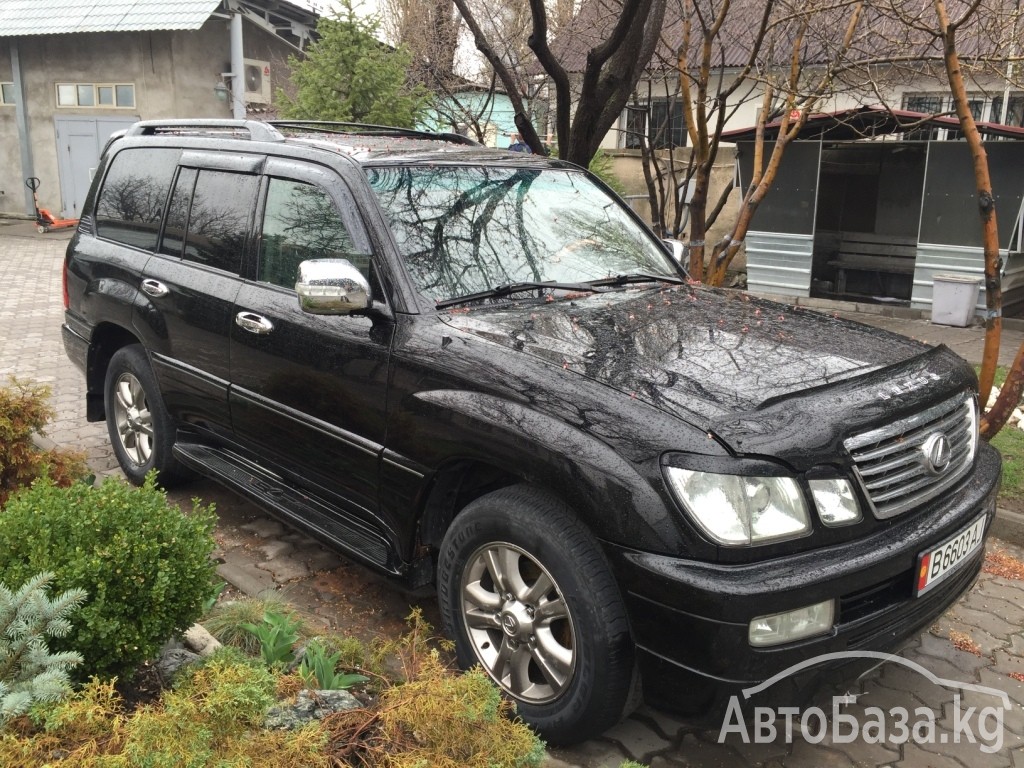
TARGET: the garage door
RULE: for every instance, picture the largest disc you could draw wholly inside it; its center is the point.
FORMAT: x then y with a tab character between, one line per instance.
79	141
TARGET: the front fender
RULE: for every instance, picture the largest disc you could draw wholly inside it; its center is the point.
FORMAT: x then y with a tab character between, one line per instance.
621	500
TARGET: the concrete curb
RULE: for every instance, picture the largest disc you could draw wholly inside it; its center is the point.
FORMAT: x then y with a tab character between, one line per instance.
1009	526
44	443
868	308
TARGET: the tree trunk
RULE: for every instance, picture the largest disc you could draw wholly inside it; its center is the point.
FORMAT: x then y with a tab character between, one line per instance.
721	256
726	249
613	68
646	162
445	31
698	204
994	420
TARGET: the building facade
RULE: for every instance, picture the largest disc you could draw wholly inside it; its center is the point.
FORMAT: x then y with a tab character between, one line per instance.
68	80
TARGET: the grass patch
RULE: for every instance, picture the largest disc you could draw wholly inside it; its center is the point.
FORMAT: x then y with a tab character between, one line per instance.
226	620
1000	377
1010	443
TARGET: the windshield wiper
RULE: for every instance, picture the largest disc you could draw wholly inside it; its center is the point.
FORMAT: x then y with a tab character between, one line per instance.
636	277
585	287
509	288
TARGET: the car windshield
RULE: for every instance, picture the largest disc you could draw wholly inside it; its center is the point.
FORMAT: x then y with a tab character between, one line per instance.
468	229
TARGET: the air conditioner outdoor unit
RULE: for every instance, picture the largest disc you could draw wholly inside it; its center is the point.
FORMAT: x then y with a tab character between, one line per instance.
257	81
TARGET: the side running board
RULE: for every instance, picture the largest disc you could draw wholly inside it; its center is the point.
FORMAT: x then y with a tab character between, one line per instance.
301	510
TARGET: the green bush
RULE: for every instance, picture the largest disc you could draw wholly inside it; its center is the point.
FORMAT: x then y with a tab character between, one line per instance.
199	723
24	411
145	565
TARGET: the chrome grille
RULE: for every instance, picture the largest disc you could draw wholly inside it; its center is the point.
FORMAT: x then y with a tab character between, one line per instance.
892	463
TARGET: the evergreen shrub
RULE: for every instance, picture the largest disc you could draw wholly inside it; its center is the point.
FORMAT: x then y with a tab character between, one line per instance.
145	565
29	673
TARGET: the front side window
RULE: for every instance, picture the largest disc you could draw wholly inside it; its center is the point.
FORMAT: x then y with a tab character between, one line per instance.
464	229
300	222
982	109
218	219
131	202
928	104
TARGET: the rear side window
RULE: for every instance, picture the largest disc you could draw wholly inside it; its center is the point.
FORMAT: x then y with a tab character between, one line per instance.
131	202
219	217
177	213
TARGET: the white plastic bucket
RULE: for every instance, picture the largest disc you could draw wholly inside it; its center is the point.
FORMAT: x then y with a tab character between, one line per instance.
954	298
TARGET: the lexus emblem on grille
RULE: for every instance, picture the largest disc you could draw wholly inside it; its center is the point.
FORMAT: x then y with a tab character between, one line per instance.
936	453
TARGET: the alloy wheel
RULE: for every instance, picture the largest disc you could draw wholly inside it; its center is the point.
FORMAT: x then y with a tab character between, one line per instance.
133	418
518	623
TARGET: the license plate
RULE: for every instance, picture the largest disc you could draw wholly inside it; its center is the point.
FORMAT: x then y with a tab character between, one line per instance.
936	564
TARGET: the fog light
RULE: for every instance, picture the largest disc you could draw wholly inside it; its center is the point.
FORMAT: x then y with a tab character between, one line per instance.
780	628
836	502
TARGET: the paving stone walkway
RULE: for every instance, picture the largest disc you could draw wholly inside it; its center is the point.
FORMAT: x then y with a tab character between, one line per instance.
979	642
986	624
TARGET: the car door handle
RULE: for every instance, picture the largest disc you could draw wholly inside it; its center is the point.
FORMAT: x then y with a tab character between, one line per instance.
155	288
253	323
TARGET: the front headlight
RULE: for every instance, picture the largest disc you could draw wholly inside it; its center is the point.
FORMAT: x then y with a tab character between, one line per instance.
736	510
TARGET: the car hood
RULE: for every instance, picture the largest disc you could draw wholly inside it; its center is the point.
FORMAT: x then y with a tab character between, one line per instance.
702	354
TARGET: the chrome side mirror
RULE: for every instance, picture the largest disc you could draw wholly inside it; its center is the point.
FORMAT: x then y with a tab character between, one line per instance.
331	287
676	249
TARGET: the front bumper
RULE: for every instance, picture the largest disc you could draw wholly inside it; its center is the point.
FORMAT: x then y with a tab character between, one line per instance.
690	619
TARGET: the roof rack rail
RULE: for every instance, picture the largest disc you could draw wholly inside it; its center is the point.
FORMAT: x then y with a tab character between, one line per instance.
257	131
367	129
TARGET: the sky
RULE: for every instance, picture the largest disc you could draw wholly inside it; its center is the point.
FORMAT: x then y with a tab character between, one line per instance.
364	7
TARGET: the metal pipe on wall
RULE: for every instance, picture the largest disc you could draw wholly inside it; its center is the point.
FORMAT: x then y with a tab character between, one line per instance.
21	117
237	68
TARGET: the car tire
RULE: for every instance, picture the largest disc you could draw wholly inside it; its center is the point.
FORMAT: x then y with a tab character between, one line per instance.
526	592
141	432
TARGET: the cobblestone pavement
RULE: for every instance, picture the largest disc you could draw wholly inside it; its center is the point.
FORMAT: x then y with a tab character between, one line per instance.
980	641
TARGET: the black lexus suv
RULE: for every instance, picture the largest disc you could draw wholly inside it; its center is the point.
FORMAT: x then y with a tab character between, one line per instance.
480	371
